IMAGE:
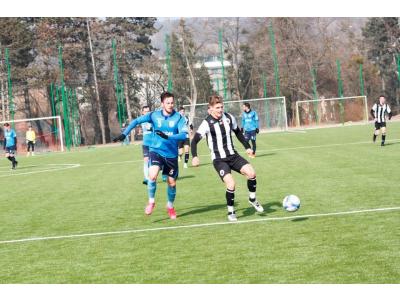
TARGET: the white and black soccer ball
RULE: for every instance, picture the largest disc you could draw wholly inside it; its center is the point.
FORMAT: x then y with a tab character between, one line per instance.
291	203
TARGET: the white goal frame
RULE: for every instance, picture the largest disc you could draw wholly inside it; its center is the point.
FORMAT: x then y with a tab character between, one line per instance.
331	99
59	126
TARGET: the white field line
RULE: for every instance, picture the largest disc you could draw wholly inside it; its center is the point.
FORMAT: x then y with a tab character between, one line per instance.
53	168
132	231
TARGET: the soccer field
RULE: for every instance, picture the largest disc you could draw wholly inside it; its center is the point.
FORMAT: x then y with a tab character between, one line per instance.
78	217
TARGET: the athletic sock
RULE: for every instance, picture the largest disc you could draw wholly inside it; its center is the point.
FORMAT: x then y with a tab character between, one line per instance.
186	157
383	138
151	190
171	193
13	161
374	138
252	186
253	142
230	198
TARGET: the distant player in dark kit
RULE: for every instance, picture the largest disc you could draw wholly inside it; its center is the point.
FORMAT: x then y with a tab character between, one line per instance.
169	128
217	128
184	145
379	112
250	125
10	145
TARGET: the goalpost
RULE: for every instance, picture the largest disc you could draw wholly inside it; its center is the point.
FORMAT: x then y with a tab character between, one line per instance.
331	111
48	130
271	112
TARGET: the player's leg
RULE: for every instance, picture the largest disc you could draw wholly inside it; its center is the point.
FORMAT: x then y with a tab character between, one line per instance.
33	149
383	130
7	154
155	166
224	172
376	132
171	170
243	166
145	150
180	150
11	157
186	148
253	142
28	148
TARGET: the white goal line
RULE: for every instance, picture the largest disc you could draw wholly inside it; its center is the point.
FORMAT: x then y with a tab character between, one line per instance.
132	231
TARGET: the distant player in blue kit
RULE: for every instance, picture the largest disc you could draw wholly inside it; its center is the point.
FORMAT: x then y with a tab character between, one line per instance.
169	128
250	126
10	144
147	130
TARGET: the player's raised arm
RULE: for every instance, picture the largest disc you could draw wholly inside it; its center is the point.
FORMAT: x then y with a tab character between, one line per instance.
200	133
133	124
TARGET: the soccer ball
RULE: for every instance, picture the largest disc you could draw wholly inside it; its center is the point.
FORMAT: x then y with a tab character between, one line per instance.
291	203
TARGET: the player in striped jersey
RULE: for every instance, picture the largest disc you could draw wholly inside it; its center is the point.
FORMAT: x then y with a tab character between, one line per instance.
217	127
379	111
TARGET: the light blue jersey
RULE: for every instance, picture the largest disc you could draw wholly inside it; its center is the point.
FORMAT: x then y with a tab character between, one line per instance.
173	125
249	120
10	136
147	133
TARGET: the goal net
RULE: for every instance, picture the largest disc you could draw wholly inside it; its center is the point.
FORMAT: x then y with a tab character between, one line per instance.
271	112
332	111
48	131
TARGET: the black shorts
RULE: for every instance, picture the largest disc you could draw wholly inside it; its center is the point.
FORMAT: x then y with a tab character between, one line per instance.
183	143
250	135
169	166
379	125
31	144
10	150
224	166
145	151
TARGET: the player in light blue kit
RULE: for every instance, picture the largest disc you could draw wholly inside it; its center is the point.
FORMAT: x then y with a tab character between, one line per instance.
147	130
169	128
10	144
250	126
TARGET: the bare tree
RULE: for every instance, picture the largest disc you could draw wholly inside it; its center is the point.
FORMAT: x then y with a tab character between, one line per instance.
98	103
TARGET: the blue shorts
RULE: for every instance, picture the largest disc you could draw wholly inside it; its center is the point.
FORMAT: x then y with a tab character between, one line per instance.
250	135
10	150
145	151
169	166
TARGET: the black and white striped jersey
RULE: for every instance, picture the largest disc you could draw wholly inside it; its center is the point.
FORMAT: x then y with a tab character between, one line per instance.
187	123
380	112
218	133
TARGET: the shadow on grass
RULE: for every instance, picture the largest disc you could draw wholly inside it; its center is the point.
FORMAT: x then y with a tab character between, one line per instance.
195	210
390	144
264	154
300	219
268	208
184	177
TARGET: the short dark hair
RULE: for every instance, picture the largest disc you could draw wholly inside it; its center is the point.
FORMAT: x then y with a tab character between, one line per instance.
214	99
181	108
145	106
382	96
6	124
247	104
166	95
